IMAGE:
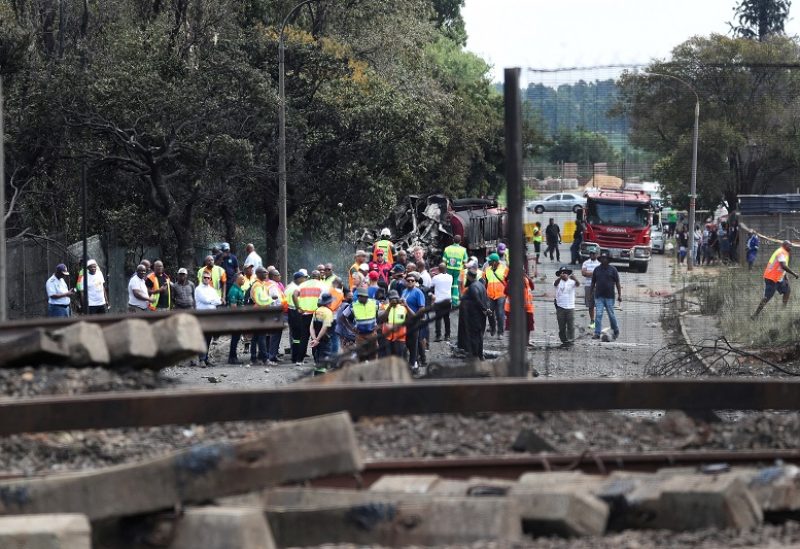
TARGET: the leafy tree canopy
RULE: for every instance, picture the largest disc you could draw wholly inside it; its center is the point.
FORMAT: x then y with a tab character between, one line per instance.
759	19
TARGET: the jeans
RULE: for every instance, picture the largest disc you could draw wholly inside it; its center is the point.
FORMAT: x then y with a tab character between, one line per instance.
234	344
566	325
442	310
607	304
553	249
258	347
274	345
498	319
58	310
334	341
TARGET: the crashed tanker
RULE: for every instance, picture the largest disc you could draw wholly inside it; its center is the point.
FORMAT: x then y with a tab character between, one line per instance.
432	220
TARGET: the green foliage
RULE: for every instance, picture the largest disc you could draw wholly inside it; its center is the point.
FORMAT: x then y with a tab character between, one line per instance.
173	105
759	19
748	125
582	147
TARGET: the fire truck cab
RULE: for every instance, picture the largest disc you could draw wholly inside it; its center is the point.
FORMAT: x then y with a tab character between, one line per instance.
618	221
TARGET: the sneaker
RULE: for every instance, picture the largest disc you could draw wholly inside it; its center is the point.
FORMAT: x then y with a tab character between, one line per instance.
192	363
272	363
298	363
437	339
616	335
591	326
596	336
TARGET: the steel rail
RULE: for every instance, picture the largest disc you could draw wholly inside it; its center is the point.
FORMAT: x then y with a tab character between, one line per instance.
167	407
213	322
511	467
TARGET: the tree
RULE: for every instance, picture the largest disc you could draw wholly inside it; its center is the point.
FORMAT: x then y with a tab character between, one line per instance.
760	19
583	147
749	129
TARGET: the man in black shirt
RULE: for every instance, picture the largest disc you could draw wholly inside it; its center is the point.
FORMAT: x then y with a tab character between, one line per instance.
604	279
553	236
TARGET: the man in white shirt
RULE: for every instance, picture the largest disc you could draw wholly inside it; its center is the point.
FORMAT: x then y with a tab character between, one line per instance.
442	284
565	305
138	296
252	257
58	293
95	286
587	269
425	278
206	297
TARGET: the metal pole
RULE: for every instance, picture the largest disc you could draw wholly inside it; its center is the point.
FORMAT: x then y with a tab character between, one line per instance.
3	262
283	238
693	185
693	188
282	230
513	127
85	289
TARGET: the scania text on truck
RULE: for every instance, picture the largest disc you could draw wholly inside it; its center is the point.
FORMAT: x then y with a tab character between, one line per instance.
618	221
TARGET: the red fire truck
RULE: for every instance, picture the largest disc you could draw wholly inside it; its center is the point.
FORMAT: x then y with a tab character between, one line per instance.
618	221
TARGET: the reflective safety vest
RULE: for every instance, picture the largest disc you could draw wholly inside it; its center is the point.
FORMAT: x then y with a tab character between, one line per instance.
338	298
496	281
216	277
528	299
259	293
153	305
454	257
310	290
365	315
774	271
289	293
248	282
395	326
386	246
462	280
537	234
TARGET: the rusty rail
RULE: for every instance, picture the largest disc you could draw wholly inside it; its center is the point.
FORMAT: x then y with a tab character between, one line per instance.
165	407
511	467
213	322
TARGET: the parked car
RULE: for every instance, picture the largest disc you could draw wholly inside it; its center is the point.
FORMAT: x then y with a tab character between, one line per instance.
561	202
658	239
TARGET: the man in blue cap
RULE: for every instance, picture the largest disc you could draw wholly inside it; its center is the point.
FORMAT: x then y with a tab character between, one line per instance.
58	293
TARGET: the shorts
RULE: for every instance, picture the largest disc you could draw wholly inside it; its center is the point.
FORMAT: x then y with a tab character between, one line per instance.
589	296
770	287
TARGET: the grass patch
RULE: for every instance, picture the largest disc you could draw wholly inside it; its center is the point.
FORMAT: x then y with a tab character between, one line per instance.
733	296
527	194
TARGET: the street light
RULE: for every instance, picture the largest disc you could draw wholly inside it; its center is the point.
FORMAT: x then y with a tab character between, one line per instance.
693	187
283	245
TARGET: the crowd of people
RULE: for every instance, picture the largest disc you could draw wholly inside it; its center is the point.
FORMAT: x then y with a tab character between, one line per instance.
383	305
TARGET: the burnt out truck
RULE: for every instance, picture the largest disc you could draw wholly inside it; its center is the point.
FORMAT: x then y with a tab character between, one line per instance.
432	220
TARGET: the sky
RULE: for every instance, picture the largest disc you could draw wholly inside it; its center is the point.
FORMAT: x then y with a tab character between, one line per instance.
580	33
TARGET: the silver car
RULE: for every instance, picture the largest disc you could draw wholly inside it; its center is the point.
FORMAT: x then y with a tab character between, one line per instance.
560	202
657	239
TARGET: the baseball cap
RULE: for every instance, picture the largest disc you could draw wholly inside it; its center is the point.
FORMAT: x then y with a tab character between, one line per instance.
361	253
373	275
494	257
501	247
325	299
183	271
298	274
393	294
91	262
398	269
363	267
304	271
62	268
224	246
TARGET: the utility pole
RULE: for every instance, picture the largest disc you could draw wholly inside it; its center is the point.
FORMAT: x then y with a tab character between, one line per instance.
283	234
516	240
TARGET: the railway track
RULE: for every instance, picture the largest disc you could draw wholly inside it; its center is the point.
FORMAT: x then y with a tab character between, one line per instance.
512	467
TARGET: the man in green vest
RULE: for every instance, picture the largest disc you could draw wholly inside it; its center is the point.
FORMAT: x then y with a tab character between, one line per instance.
455	256
385	245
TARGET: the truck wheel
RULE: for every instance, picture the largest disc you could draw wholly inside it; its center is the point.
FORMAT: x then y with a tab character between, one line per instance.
539	209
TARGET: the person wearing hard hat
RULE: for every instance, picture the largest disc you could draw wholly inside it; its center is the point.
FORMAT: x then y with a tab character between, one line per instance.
495	276
385	245
321	328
